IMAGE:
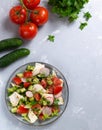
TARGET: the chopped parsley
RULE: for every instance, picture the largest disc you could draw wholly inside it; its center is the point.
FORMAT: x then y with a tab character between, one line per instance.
67	8
51	38
83	25
87	16
70	9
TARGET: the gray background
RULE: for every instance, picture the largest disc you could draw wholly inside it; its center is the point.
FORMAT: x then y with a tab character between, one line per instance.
78	54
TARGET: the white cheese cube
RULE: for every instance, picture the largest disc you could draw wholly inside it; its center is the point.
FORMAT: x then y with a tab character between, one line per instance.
38	87
15	98
32	117
37	68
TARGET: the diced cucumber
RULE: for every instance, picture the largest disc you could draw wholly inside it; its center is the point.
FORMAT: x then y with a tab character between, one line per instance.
41	75
31	99
30	67
22	90
30	88
18	90
35	80
49	82
28	106
29	79
26	118
20	75
14	110
25	114
12	89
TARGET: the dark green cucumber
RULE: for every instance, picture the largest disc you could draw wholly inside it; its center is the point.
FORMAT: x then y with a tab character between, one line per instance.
10	43
13	56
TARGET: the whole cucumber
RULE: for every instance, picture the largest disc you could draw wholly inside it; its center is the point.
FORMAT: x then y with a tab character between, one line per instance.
13	56
10	43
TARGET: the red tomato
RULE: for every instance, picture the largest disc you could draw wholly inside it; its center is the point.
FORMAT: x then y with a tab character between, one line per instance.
57	89
55	108
38	106
43	83
39	16
28	74
31	4
56	81
17	80
26	84
50	90
41	116
21	109
28	30
18	14
37	96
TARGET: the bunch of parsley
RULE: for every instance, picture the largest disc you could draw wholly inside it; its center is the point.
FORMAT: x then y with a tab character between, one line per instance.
67	8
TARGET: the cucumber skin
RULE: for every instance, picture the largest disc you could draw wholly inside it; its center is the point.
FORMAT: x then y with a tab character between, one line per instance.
13	56
10	43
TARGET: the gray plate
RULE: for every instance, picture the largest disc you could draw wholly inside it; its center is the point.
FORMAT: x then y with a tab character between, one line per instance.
65	94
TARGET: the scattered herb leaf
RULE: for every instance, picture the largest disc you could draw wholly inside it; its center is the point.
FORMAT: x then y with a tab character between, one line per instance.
83	25
51	38
87	16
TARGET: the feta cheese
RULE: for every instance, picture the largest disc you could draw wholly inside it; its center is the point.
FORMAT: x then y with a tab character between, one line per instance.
45	71
15	98
38	87
32	116
37	68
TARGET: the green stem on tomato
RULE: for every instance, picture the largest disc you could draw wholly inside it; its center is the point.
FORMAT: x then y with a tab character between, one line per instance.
22	4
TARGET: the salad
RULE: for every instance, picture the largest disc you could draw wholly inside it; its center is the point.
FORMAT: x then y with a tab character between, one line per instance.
36	93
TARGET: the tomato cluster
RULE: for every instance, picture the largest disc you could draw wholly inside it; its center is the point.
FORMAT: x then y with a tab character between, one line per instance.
29	15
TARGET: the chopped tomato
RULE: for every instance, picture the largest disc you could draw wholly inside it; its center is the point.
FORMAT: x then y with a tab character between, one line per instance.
17	80
55	108
21	109
38	106
37	96
43	83
26	84
56	81
41	116
50	90
57	89
28	74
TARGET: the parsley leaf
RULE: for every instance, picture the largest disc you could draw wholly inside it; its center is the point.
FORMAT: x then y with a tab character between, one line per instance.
83	25
87	16
51	38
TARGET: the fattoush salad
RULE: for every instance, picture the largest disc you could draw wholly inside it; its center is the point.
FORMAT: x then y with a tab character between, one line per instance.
36	93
